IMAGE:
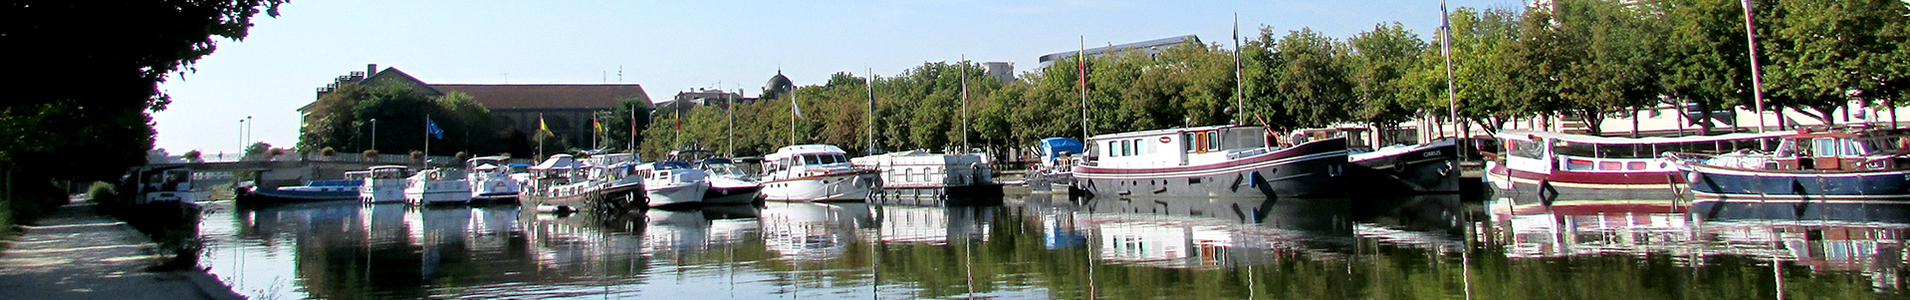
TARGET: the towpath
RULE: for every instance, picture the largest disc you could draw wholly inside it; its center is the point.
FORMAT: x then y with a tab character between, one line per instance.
77	253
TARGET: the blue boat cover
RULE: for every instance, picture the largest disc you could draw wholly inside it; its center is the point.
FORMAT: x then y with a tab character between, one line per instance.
1051	148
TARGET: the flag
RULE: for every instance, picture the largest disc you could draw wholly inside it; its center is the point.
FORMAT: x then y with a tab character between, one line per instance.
544	127
797	107
432	129
1445	25
597	123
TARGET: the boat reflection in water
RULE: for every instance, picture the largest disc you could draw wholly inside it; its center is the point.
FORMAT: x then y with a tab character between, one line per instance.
1053	246
1866	239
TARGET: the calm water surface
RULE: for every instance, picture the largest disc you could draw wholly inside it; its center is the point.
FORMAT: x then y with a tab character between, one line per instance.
1041	246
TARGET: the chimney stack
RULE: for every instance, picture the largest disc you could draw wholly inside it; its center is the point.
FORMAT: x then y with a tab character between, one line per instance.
371	69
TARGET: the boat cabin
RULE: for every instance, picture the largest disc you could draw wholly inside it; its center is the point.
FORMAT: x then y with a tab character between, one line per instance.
806	157
1178	146
1544	152
389	172
1842	151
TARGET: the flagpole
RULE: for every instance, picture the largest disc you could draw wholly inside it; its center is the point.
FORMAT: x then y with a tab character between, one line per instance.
793	111
427	141
1081	63
1240	101
540	135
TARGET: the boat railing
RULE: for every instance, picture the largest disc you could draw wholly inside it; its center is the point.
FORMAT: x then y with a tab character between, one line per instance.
1596	164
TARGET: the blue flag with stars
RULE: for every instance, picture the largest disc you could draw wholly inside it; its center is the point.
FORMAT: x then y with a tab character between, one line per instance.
432	129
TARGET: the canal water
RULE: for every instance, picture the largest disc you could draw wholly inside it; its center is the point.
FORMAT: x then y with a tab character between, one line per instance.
1042	246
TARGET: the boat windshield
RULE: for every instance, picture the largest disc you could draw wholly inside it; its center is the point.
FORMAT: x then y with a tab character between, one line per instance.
1884	145
721	169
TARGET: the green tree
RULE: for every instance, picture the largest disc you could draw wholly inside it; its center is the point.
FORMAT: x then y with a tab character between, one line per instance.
1819	52
1376	67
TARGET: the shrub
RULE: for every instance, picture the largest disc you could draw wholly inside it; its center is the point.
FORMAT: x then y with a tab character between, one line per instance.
328	152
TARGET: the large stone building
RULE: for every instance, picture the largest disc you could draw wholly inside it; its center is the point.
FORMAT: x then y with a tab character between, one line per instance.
515	108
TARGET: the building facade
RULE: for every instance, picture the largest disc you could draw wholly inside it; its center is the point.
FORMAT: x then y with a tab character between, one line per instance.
516	109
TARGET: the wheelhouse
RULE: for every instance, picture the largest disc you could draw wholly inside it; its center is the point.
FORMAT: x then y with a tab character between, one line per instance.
1178	146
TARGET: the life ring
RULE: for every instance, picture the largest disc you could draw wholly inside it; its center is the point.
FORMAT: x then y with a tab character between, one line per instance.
1165	140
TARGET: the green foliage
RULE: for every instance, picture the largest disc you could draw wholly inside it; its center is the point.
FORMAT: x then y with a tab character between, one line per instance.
345	118
257	151
191	156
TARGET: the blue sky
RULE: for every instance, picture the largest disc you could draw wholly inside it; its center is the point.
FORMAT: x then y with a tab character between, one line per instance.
676	46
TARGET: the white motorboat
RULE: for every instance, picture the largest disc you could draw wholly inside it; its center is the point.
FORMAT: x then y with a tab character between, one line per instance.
490	179
384	184
729	183
438	186
815	173
672	183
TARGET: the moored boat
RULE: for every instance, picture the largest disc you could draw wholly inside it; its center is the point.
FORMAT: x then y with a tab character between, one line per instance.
1055	172
490	179
384	184
561	184
315	190
1429	168
438	186
1844	166
668	183
814	173
1211	161
729	183
1581	166
919	172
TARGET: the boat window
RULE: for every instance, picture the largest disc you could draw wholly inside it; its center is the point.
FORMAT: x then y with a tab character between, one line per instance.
1884	145
1187	141
1525	148
1113	148
1213	140
1787	148
1826	147
1851	148
811	160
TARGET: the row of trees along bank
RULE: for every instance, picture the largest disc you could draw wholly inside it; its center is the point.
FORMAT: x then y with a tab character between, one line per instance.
1578	58
85	113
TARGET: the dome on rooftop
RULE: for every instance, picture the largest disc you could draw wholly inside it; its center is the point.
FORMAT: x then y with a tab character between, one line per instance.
777	86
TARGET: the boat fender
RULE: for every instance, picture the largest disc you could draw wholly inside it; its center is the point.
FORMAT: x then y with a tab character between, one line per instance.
1333	170
1399	165
1237	179
1447	169
1694	177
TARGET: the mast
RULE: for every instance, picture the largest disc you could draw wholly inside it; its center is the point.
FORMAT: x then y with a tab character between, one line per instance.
1445	48
964	71
729	103
1757	78
870	122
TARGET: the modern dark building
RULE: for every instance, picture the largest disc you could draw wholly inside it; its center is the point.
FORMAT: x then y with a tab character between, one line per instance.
1150	47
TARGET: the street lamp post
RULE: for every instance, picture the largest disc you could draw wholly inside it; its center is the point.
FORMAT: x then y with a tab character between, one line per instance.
241	137
248	129
374	135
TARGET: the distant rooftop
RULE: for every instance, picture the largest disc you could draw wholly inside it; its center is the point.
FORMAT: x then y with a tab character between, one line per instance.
1149	46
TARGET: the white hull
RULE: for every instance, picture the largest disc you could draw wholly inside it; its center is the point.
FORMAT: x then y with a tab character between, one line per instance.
846	187
382	191
439	192
495	190
677	194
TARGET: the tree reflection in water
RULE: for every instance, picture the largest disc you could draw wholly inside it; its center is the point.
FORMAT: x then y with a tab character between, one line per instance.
1044	246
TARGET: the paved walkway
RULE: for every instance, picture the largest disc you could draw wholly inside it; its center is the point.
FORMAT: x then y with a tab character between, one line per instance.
78	253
